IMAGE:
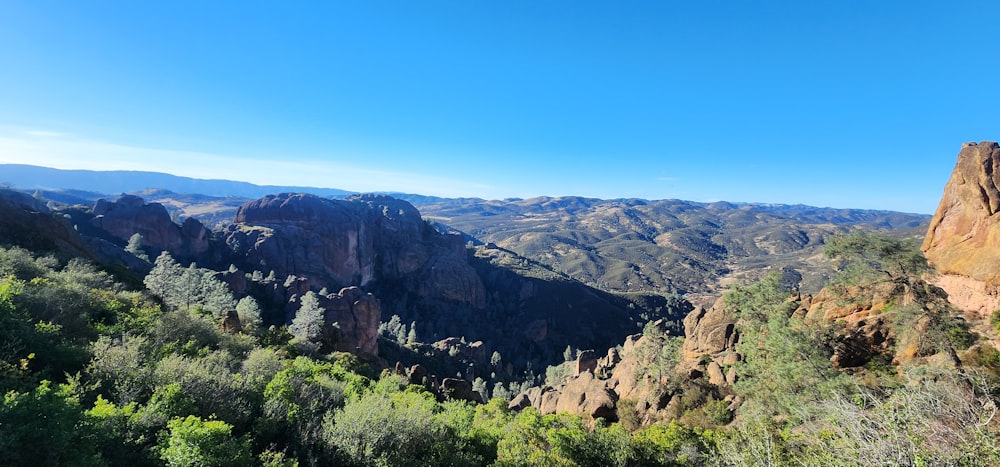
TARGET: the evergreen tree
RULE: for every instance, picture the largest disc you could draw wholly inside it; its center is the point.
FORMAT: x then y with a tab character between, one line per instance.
411	337
134	247
215	295
162	279
249	312
307	326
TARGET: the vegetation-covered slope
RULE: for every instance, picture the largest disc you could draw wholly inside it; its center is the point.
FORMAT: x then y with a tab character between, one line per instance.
664	245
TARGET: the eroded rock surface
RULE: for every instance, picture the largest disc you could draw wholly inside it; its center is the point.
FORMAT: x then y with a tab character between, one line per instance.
964	235
340	243
130	215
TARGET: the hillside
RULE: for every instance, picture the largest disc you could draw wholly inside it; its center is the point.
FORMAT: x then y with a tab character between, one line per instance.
665	245
627	245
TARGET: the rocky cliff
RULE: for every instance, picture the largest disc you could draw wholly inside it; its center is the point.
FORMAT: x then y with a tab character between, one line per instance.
353	242
963	240
130	215
28	223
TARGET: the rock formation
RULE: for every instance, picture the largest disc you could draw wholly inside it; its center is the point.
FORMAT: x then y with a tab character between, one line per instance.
963	239
129	215
635	373
27	222
356	315
708	331
354	242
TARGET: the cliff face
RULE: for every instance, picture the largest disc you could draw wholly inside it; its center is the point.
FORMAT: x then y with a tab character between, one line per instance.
964	235
27	222
130	215
963	241
354	242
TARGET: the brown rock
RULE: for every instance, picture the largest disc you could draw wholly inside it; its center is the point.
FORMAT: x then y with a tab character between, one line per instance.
352	319
707	332
536	330
460	389
715	375
964	235
519	402
231	323
339	243
129	215
586	362
586	395
27	222
417	374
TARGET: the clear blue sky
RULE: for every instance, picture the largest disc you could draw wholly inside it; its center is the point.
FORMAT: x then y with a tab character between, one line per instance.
831	103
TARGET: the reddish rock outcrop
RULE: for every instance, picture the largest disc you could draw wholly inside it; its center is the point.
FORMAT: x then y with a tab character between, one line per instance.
583	395
963	240
27	222
708	331
964	234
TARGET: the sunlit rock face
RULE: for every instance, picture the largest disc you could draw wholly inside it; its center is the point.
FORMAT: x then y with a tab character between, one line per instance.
963	241
964	235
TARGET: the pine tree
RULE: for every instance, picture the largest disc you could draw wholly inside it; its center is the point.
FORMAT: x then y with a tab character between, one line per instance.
411	337
162	279
134	247
249	312
215	295
307	326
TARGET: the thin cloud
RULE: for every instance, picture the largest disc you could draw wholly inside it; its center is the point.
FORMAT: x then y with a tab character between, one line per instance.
65	151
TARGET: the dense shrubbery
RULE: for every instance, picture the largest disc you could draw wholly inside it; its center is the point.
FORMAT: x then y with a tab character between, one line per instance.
95	374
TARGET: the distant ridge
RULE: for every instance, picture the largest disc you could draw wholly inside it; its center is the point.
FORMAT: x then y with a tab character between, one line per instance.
31	177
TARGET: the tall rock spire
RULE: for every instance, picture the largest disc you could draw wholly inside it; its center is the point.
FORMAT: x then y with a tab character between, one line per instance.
964	234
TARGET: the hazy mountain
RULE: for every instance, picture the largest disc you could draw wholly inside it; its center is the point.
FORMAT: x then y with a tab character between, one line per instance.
30	177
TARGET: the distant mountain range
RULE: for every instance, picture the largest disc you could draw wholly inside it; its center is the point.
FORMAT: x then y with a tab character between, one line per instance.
30	177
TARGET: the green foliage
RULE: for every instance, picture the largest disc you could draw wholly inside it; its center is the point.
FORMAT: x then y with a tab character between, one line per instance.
169	387
121	369
45	426
249	313
378	429
563	439
786	366
307	326
188	288
867	261
134	246
671	444
658	351
196	442
297	399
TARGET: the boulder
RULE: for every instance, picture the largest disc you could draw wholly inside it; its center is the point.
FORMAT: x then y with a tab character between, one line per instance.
357	316
460	389
586	362
707	331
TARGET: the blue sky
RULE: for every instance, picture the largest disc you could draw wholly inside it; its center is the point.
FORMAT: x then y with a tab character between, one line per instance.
830	103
